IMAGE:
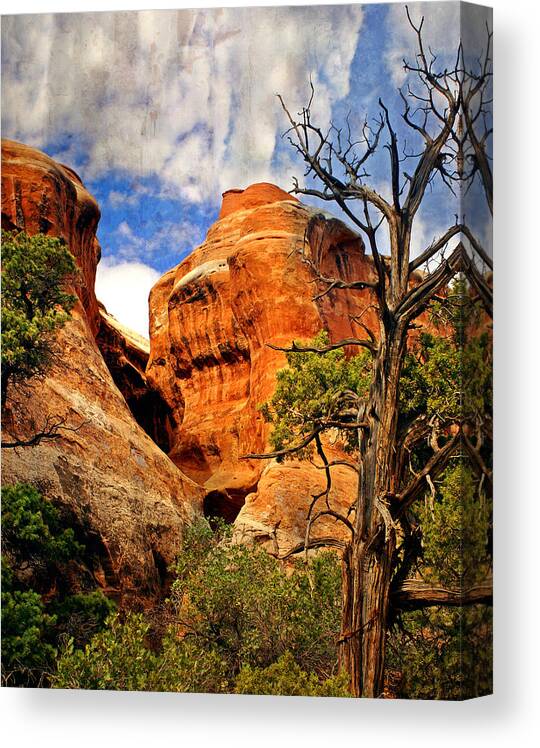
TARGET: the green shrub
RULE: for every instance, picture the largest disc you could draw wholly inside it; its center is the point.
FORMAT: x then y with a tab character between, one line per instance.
82	615
27	633
306	391
242	603
286	678
446	653
35	303
233	609
32	529
36	546
115	659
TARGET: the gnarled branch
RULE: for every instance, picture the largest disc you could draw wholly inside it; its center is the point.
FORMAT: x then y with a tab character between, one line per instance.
295	348
51	431
412	594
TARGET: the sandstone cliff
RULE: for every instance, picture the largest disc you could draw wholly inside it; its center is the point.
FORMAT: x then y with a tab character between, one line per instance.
128	501
211	319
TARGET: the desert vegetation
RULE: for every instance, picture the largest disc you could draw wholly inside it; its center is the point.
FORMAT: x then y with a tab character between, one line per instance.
130	559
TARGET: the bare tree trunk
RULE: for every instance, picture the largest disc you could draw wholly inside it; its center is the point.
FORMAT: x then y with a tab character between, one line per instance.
369	562
365	612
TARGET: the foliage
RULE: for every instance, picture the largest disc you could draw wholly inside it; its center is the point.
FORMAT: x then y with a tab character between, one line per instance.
439	380
455	530
444	381
35	303
81	615
35	543
27	651
286	678
448	373
114	659
120	658
234	610
32	530
445	653
306	391
240	602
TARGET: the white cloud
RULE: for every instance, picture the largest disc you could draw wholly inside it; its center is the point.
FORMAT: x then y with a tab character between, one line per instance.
423	234
124	288
124	230
186	95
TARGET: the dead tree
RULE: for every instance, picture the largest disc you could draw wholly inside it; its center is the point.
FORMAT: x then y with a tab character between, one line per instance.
439	110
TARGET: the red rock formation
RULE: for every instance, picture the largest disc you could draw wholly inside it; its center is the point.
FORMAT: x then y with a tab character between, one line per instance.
275	514
127	499
256	195
39	195
212	317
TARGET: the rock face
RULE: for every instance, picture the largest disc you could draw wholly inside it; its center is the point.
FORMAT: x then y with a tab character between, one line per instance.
195	391
249	284
39	195
275	514
127	500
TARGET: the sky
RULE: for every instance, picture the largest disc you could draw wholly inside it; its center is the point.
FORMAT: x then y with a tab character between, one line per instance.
159	112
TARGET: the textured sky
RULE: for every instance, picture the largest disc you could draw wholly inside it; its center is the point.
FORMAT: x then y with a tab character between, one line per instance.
161	111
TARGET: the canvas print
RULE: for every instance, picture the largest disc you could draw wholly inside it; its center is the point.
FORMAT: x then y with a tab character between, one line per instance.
247	350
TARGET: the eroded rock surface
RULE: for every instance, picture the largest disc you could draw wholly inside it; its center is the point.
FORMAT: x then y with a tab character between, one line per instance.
275	515
211	319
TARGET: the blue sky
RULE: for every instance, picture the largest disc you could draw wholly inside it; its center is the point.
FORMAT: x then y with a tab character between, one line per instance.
161	111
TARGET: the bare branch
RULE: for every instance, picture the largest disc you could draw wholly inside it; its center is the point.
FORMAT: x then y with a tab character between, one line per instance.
478	282
418	297
338	463
433	467
475	244
324	542
295	348
288	450
50	432
338	284
479	463
413	594
335	515
435	247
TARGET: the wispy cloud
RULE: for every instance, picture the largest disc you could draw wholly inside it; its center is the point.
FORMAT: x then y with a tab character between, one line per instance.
186	95
133	196
178	237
